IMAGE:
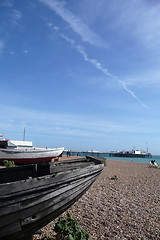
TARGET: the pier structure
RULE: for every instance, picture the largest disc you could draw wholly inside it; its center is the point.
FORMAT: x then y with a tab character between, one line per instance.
130	154
84	153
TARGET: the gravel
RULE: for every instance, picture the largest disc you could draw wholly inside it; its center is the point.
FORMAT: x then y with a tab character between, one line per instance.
123	203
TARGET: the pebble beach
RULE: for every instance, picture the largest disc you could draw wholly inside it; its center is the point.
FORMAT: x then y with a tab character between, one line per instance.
123	203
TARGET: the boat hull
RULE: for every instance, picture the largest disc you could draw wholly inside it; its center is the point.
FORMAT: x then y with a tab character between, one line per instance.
28	205
26	156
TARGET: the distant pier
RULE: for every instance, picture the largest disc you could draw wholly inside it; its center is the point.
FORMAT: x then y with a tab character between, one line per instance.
129	154
84	153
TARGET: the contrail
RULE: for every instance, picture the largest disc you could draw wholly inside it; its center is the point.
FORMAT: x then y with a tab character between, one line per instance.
75	23
79	27
123	84
99	66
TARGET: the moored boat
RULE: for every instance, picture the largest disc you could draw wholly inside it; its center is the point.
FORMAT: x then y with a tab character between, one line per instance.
33	195
23	152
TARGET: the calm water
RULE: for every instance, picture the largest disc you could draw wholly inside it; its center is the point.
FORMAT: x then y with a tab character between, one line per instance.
140	160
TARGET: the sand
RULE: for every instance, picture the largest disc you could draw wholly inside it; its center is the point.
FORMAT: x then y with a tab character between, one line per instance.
125	208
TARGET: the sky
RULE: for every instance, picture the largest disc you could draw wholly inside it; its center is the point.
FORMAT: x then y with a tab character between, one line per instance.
83	74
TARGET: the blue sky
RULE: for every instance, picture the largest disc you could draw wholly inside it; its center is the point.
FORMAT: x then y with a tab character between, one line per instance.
81	74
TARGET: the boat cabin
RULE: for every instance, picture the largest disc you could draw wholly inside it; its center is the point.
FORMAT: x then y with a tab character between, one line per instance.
4	144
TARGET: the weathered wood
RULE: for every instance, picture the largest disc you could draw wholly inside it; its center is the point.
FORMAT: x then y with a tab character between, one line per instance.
29	185
17	173
27	205
68	166
30	207
9	229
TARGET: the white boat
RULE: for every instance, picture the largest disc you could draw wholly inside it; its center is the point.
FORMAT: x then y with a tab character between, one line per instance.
23	152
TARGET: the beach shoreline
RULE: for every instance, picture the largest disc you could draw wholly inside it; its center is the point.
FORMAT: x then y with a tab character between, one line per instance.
123	203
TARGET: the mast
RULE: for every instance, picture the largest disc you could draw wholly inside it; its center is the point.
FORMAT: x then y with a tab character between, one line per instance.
147	147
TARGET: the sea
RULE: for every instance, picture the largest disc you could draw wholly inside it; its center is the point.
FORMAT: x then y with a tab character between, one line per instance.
127	159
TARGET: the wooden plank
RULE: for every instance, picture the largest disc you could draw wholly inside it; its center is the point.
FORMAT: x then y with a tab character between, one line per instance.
10	229
17	173
29	207
9	208
59	203
30	204
7	190
51	206
68	167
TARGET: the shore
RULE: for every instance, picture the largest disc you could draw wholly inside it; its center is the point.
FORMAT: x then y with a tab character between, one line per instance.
123	203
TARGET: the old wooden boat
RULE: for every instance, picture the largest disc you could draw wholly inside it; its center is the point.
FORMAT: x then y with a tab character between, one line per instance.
33	195
23	152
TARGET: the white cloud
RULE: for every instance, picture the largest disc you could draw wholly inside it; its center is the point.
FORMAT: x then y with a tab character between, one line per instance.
2	45
6	3
148	25
55	28
47	123
148	78
16	15
139	19
12	52
77	25
50	25
25	51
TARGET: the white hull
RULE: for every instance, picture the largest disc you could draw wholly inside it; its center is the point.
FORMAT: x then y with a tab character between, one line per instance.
24	155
